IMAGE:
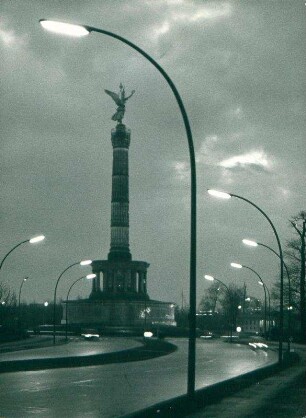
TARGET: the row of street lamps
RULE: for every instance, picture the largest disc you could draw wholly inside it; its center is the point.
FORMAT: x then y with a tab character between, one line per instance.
252	243
260	282
223	195
81	263
35	240
211	279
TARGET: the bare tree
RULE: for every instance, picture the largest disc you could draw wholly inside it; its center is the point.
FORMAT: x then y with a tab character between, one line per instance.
296	254
294	297
231	301
7	297
210	298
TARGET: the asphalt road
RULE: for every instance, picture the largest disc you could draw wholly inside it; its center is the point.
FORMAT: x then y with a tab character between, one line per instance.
77	347
114	390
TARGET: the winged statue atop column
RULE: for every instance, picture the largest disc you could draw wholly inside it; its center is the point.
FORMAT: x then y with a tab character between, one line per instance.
120	100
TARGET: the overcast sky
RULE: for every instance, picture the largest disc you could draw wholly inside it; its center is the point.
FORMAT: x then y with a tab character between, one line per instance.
240	69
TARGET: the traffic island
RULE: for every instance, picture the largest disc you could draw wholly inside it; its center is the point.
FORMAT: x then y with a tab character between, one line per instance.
150	348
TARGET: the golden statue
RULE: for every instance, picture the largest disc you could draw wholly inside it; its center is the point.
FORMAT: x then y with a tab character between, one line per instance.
120	100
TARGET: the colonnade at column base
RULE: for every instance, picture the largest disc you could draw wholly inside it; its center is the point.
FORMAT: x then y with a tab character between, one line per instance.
119	279
124	313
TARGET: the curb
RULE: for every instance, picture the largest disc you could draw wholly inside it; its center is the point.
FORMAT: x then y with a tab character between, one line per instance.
150	349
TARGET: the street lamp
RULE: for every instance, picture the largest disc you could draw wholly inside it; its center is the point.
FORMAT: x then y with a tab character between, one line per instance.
211	279
2	310
33	240
239	266
19	298
62	28
81	263
89	276
82	30
20	288
281	299
252	243
46	304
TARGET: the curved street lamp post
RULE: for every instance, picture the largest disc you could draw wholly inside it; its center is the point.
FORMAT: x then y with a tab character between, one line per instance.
252	243
83	30
82	263
19	299
46	304
238	266
261	283
89	276
224	195
212	278
33	240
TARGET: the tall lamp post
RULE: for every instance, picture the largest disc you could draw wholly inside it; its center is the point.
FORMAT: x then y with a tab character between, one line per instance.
31	241
81	263
252	243
212	278
89	277
223	195
83	30
240	266
45	305
261	283
19	298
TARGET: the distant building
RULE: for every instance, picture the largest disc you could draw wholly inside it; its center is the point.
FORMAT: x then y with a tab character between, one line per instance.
254	322
249	322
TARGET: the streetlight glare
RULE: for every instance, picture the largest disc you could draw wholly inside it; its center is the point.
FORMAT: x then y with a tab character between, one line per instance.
46	304
250	243
210	278
36	239
91	276
217	193
85	262
236	265
64	28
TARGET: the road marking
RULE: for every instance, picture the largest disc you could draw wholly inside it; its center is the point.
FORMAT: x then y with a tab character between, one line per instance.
82	381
